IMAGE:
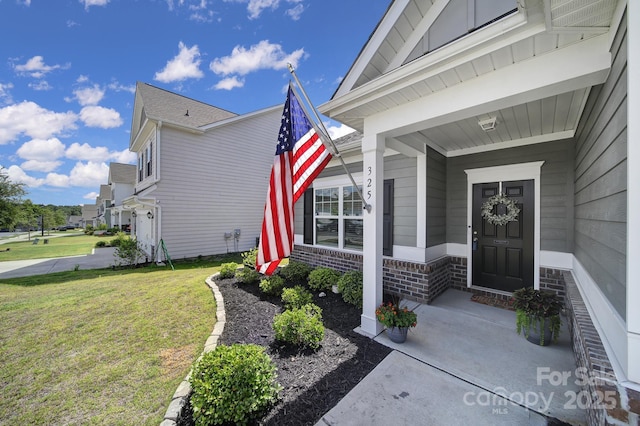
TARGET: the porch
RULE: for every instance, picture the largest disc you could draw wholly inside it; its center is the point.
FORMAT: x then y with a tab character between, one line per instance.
465	364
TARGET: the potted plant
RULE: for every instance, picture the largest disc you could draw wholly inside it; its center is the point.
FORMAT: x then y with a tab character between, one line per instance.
396	319
537	315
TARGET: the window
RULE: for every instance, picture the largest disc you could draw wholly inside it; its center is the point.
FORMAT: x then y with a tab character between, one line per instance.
149	159
140	167
352	216
338	217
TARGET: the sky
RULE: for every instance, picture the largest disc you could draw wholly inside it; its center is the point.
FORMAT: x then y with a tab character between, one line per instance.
68	70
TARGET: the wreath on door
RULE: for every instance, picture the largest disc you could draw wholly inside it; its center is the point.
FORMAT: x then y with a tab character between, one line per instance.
500	219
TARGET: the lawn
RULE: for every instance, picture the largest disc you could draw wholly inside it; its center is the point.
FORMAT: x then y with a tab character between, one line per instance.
101	347
68	245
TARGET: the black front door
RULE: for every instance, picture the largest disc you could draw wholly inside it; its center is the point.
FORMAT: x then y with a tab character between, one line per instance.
503	254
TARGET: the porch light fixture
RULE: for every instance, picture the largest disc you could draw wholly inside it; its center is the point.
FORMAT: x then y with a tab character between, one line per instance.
488	125
150	215
133	213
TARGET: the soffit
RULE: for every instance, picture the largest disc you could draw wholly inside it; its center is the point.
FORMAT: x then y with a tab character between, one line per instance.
515	39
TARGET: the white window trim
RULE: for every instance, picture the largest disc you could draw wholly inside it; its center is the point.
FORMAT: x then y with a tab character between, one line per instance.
332	182
511	172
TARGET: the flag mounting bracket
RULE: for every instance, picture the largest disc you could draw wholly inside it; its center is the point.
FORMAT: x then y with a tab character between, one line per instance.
326	139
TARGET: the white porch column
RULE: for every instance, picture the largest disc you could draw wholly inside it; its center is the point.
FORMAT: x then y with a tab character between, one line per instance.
633	191
373	146
421	208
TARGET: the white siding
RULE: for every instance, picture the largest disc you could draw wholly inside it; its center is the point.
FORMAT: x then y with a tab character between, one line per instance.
214	183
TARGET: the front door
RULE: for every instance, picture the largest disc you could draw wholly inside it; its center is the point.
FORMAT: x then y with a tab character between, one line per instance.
503	254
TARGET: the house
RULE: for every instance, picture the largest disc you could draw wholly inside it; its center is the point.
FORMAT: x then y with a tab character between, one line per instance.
103	206
89	213
202	174
458	101
74	221
122	180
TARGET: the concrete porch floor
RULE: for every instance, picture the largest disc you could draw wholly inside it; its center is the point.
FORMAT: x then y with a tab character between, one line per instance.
464	363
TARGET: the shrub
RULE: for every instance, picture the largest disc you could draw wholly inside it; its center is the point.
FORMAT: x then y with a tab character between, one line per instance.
272	285
300	327
232	385
295	272
247	275
323	278
350	286
249	258
101	244
296	297
228	270
120	237
128	253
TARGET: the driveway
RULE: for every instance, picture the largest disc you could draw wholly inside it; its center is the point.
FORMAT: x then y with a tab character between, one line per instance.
100	258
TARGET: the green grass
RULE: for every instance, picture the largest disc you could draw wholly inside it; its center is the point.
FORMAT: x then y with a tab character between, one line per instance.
68	245
101	347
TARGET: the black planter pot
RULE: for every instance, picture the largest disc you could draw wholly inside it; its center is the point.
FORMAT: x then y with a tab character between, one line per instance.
536	326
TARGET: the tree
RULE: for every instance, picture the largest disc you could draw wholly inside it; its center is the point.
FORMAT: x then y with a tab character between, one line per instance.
10	195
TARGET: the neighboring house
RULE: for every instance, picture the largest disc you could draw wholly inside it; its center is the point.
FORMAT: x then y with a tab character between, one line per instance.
74	221
202	174
89	213
103	205
457	101
122	181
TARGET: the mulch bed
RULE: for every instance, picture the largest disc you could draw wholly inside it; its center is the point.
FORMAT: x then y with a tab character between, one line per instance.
313	381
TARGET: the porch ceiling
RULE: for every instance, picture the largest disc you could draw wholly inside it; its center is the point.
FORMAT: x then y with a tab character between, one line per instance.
540	28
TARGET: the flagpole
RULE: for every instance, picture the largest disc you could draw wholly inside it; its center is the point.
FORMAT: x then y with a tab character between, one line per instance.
324	135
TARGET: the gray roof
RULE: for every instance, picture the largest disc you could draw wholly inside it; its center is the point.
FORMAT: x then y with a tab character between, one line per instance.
105	192
160	104
352	137
122	173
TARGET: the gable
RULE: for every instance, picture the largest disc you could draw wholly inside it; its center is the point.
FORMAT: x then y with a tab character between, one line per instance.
157	104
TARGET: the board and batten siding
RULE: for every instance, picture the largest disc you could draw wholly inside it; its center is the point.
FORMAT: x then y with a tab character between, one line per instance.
601	180
556	190
436	198
215	183
403	171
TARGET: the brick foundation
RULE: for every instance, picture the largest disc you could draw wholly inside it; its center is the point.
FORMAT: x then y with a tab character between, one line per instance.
610	403
420	282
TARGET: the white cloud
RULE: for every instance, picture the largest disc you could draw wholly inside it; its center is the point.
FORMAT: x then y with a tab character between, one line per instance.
97	116
82	79
41	149
40	86
295	12
255	7
89	3
86	152
338	131
35	67
89	174
32	120
17	175
229	83
5	96
118	87
40	166
185	65
98	154
125	156
89	95
263	55
91	196
58	180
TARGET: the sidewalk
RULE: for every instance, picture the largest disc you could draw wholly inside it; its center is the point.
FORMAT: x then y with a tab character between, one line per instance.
100	258
465	364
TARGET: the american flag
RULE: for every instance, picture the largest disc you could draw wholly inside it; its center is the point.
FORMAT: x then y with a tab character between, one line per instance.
300	157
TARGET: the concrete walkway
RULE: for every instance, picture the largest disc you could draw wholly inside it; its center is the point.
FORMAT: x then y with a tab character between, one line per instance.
465	364
100	258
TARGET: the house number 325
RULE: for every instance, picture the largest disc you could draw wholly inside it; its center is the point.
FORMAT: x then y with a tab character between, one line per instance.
369	182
